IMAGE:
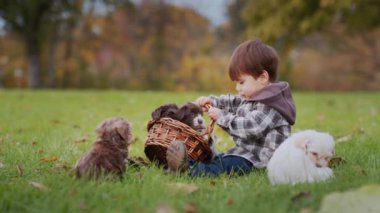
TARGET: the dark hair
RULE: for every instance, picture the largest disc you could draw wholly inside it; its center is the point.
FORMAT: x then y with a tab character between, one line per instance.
252	57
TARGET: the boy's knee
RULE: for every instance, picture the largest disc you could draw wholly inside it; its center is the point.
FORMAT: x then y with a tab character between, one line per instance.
206	169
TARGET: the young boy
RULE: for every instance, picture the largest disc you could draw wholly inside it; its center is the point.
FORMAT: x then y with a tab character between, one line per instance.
259	118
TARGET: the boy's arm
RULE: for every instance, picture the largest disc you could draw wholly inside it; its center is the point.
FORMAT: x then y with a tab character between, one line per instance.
226	102
253	125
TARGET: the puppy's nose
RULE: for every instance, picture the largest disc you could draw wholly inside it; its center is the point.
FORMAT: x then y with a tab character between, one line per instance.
200	121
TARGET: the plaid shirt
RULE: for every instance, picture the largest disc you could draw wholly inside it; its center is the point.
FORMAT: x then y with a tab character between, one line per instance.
256	128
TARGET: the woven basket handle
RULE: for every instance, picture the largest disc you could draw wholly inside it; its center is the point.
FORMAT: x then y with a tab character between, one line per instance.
210	127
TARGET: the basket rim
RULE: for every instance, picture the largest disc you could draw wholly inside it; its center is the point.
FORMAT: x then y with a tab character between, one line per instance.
179	126
176	125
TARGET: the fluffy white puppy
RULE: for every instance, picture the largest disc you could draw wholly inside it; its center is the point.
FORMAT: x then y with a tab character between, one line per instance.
303	157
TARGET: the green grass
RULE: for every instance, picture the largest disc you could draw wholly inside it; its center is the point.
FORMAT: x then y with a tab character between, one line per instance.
42	134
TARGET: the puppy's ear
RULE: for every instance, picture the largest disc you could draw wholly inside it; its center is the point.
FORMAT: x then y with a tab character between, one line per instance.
301	142
124	130
166	110
182	113
170	113
156	114
101	128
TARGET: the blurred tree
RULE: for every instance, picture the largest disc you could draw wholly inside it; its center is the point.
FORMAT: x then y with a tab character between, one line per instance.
44	23
231	33
284	22
237	23
147	45
104	43
337	61
31	20
161	35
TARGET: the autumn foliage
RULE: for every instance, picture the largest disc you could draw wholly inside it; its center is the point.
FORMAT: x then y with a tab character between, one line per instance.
159	46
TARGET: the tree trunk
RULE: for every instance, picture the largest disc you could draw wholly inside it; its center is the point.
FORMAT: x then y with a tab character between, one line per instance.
34	64
52	59
1	76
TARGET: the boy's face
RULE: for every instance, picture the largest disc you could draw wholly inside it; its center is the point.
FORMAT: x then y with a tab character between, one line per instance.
247	85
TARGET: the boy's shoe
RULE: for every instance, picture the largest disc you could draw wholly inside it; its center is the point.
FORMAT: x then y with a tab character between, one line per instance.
176	156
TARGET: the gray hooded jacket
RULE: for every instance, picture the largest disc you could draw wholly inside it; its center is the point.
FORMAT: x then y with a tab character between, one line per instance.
257	125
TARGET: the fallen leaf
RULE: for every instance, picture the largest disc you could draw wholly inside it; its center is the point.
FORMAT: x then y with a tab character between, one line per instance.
49	159
82	140
301	195
321	118
344	138
306	210
230	201
83	205
63	166
139	175
20	170
330	102
183	187
164	208
137	162
360	131
38	186
55	121
363	199
359	170
190	208
1	165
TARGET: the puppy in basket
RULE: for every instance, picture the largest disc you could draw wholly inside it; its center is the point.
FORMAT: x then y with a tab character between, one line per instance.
190	114
109	153
303	157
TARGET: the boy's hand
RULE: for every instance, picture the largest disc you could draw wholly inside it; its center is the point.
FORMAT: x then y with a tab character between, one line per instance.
214	113
202	101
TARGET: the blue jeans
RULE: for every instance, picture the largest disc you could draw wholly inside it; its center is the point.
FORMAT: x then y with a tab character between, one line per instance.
221	164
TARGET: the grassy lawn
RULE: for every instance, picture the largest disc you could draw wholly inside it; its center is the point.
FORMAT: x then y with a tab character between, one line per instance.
43	134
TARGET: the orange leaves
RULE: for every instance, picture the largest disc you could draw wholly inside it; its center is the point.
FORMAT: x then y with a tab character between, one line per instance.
49	159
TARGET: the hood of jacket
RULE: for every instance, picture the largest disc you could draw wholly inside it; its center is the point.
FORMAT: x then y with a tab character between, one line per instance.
278	96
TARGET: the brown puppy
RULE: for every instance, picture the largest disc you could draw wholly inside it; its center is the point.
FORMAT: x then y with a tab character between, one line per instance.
109	153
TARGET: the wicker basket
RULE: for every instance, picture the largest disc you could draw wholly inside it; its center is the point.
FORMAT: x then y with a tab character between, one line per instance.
163	132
